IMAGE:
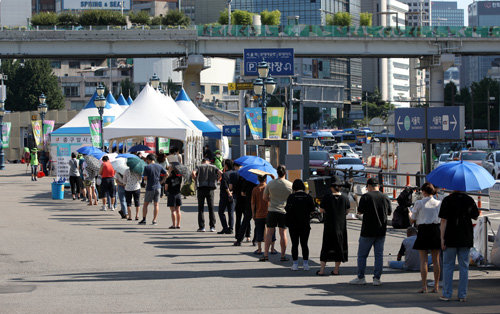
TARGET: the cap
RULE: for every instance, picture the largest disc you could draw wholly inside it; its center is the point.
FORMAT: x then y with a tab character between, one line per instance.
372	182
336	181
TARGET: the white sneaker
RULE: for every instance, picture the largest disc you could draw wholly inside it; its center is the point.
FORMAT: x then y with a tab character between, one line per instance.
295	266
112	208
376	282
358	281
103	208
306	267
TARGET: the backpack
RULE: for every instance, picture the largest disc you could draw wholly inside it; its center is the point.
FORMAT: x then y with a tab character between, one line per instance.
188	188
400	217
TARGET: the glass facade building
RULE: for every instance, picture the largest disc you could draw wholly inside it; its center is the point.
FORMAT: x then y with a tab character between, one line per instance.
446	13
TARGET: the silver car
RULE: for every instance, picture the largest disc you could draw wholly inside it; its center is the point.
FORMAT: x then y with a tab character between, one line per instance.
443	158
492	164
346	163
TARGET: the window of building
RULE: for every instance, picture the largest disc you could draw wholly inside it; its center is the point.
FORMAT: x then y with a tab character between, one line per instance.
71	89
124	72
55	64
99	73
77	105
401	77
401	65
202	89
214	89
401	88
224	90
74	64
90	88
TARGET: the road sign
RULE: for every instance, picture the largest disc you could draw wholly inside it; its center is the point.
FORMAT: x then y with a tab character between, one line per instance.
280	61
445	123
231	130
240	86
410	123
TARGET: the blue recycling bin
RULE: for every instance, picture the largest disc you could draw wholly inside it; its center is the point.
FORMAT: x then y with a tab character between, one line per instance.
57	191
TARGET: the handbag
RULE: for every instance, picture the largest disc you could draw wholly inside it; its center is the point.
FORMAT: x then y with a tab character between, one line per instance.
188	188
98	181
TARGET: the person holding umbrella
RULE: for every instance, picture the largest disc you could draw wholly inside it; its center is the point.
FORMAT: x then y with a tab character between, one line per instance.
132	182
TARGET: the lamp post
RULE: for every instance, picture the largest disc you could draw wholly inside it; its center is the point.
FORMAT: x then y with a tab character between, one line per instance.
155	81
42	110
262	86
100	103
2	113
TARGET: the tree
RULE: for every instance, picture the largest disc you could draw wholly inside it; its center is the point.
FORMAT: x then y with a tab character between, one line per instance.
141	18
172	88
380	109
44	18
339	19
27	81
480	92
224	17
365	19
156	20
270	18
176	18
101	17
128	88
311	115
67	19
238	17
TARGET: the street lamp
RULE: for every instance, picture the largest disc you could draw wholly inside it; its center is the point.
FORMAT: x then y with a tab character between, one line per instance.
42	110
100	90
100	103
2	113
155	81
262	86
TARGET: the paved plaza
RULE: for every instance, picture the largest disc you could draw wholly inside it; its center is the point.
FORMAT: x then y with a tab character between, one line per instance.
62	256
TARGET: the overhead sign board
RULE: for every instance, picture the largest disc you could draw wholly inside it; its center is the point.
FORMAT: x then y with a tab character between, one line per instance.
410	123
280	61
95	4
240	86
445	123
231	130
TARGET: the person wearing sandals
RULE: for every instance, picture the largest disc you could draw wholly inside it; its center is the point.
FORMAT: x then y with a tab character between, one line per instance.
174	198
425	214
334	207
299	207
259	214
132	182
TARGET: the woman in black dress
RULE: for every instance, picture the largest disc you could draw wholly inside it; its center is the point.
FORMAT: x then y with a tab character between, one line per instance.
334	207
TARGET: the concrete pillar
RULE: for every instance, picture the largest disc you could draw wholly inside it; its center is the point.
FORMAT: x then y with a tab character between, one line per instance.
436	86
195	64
383	64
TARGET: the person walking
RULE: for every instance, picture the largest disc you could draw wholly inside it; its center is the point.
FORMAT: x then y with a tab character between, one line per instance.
276	193
425	214
120	190
34	163
375	207
226	200
153	174
334	207
174	198
74	177
107	174
299	207
206	176
456	213
132	182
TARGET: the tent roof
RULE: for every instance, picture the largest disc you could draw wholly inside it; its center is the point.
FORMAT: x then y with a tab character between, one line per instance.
130	100
122	101
196	116
149	116
174	109
111	99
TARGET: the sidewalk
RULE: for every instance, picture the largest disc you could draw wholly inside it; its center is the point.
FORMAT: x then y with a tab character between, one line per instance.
62	256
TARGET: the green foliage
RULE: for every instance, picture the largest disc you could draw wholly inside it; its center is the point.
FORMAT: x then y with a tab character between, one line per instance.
339	19
44	18
270	18
156	20
141	17
311	115
377	108
128	88
223	17
176	18
67	19
172	88
365	19
27	81
101	17
238	17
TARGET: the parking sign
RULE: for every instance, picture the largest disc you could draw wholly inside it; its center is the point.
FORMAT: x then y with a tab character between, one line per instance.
280	61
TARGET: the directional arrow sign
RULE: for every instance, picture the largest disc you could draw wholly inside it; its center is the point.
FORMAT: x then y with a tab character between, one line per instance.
410	123
445	123
399	123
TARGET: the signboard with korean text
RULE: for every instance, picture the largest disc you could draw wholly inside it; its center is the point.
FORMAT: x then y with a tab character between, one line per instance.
240	86
61	147
410	123
280	61
446	122
6	127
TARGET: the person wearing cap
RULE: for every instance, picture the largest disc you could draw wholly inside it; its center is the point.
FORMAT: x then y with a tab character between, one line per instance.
375	207
34	163
218	160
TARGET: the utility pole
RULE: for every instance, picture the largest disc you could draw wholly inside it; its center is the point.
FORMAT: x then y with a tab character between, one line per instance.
488	115
472	114
229	13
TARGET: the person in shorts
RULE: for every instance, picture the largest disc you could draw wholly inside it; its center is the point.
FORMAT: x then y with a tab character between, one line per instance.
154	175
132	182
174	199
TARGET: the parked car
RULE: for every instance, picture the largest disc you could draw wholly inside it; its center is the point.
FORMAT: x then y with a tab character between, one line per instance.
455	156
346	163
443	158
341	146
320	162
339	153
492	164
475	156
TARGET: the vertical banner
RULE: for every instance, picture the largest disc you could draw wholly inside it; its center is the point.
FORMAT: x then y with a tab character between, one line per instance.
95	131
164	145
37	131
150	142
48	127
275	117
6	134
254	118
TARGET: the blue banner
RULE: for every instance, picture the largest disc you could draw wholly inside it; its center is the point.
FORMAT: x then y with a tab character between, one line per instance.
254	118
280	61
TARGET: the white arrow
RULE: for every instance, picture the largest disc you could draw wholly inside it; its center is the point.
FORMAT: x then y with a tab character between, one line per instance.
399	123
454	122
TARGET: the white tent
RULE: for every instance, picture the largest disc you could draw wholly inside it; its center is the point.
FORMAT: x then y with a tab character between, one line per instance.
174	109
196	116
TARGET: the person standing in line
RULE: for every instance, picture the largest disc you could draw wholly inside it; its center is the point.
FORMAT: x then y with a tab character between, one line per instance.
218	160
83	190
425	213
207	153
259	214
226	201
162	161
375	207
334	207
276	193
132	182
89	183
299	207
174	158
155	176
34	163
120	187
235	186
206	176
456	213
174	198
107	174
246	193
74	177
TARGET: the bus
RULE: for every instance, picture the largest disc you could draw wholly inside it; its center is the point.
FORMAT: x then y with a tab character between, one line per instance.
382	138
363	137
349	139
481	138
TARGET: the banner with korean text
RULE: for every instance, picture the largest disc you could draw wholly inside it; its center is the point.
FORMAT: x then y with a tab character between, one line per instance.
6	134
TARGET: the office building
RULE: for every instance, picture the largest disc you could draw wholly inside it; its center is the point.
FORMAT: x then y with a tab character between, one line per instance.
154	7
446	13
15	12
203	12
475	68
43	6
78	5
419	12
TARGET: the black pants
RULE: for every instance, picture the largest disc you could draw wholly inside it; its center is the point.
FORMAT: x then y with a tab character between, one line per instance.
208	194
245	224
299	235
239	209
226	203
76	184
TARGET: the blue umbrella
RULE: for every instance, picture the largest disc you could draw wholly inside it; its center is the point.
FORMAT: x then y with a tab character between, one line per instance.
127	156
138	148
97	155
252	177
461	176
87	150
251	160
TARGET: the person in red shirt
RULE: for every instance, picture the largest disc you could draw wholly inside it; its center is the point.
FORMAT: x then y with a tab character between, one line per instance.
107	174
259	214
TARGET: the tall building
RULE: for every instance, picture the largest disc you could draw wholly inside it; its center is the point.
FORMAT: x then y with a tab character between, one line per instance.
154	7
313	12
43	6
419	12
475	68
15	12
446	13
203	12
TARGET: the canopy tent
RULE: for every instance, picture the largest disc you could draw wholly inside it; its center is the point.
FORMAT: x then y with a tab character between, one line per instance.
174	109
123	102
196	116
130	100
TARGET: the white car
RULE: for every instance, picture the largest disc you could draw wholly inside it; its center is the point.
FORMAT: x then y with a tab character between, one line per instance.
341	146
443	158
492	163
346	163
344	153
